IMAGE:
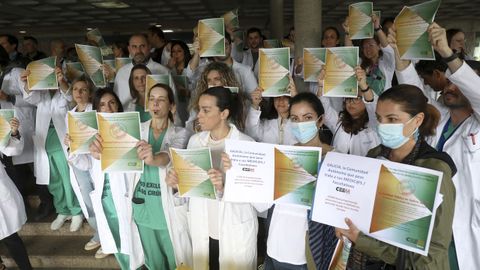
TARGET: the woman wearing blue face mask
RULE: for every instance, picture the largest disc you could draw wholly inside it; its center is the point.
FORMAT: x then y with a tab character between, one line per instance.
307	116
405	119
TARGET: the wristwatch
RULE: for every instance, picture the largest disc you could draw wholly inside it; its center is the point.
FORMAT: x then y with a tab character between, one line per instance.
450	58
377	29
364	90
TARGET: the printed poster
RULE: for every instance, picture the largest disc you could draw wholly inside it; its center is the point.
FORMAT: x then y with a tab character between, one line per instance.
74	71
42	74
191	166
231	19
340	79
5	129
269	173
94	38
392	202
313	62
120	133
211	33
82	128
412	36
121	61
360	24
92	61
274	71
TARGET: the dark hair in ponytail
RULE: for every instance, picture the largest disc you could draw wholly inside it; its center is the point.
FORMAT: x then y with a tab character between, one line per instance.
233	102
413	101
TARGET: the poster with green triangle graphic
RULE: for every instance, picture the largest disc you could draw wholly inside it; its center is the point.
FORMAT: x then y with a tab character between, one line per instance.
274	71
360	24
313	62
231	19
412	36
340	79
74	71
5	129
191	166
92	61
42	74
82	128
391	202
268	173
211	33
120	133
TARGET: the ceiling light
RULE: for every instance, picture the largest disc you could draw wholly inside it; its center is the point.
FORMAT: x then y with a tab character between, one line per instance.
22	32
168	31
111	4
89	29
158	25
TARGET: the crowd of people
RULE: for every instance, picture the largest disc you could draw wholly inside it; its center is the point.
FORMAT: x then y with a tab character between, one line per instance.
423	113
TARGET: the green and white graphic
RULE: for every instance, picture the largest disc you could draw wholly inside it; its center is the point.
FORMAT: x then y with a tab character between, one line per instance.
412	36
360	24
82	128
92	61
274	71
42	74
191	166
313	62
74	71
340	79
5	130
211	33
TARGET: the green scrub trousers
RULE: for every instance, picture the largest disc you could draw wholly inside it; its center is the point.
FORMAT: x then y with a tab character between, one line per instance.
149	216
112	220
64	198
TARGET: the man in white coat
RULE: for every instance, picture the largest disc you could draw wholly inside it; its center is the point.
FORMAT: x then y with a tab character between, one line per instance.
250	56
458	134
139	50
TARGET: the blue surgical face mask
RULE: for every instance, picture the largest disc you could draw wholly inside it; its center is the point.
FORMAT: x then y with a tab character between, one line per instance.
391	135
304	131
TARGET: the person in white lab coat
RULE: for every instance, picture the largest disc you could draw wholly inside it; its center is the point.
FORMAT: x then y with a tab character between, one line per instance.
51	165
458	134
12	209
112	197
224	235
354	126
249	57
81	180
161	218
139	49
137	84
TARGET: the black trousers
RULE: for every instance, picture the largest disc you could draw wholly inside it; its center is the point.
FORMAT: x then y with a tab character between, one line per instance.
17	250
213	254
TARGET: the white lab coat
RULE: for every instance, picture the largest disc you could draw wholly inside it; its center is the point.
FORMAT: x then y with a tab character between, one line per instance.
174	208
246	58
238	224
121	87
25	113
268	131
48	108
464	148
72	161
12	208
348	143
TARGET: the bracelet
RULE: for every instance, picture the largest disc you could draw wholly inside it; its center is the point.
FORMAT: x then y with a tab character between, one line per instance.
377	29
450	58
364	90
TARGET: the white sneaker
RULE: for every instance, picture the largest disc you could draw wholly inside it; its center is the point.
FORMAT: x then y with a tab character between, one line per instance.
100	255
77	222
58	222
91	245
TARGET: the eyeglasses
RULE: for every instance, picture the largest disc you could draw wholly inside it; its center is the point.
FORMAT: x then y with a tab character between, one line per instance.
353	100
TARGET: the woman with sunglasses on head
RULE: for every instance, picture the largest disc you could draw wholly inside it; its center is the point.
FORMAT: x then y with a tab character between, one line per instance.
158	214
353	127
404	120
224	234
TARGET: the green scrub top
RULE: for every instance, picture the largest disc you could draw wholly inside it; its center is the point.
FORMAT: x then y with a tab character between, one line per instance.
147	202
144	116
52	142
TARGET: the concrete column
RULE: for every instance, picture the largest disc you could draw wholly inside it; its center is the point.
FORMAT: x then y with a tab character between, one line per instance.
276	19
308	29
